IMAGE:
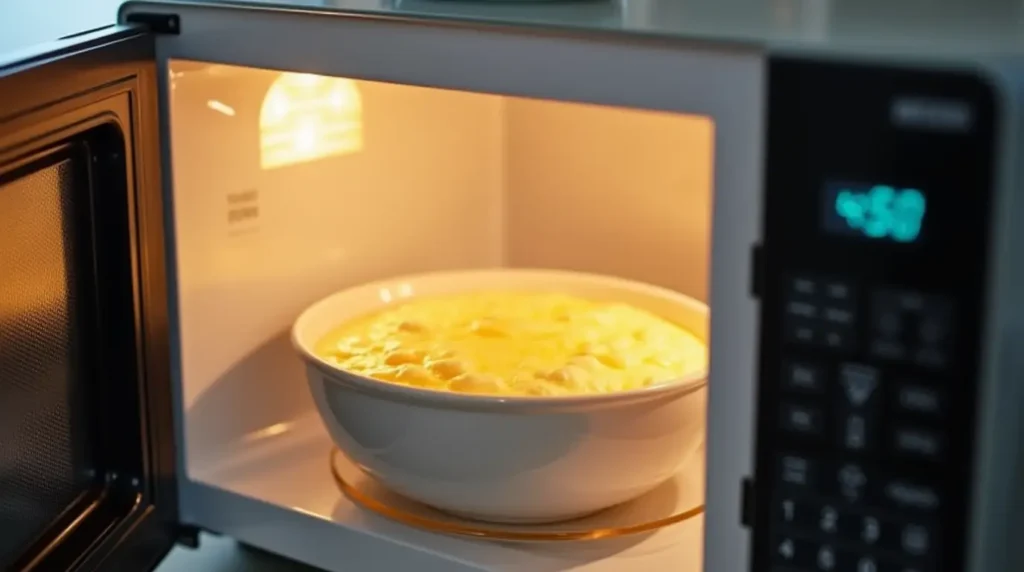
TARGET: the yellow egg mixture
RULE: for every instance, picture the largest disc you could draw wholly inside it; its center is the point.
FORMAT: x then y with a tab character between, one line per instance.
515	343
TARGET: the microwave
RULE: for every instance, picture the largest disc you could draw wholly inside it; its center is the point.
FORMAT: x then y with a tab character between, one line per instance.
839	182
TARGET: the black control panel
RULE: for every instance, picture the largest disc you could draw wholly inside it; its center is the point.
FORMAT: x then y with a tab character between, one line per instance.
871	282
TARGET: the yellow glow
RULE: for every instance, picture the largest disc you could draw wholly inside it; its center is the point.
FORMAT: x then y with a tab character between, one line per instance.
306	117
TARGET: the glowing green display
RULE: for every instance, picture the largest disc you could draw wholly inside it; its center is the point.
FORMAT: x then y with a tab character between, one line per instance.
879	211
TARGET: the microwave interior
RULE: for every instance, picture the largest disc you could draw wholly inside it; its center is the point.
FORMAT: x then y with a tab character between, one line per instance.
288	187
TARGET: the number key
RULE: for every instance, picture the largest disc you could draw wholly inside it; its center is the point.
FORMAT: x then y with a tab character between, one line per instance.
793	552
796	515
828	520
870	529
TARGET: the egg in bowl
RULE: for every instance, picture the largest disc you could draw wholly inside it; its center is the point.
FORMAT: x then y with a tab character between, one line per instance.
515	343
519	458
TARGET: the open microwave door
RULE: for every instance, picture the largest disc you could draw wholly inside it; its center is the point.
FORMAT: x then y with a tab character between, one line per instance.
87	462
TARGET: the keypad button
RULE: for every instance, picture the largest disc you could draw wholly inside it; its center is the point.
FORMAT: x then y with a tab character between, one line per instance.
802	309
933	335
864	563
843	339
841	317
826	558
888	326
856	432
803	286
851	482
911	540
916	443
794	551
904	494
914	398
796	515
803	376
839	291
916	540
858	383
798	471
802	332
869	530
828	519
804	420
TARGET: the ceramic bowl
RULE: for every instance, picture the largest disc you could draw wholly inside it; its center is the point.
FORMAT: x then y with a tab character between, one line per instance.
513	459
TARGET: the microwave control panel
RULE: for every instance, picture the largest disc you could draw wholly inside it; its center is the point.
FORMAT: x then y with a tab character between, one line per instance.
870	280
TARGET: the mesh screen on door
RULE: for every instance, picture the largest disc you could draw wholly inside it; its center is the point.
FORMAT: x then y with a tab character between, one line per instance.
44	369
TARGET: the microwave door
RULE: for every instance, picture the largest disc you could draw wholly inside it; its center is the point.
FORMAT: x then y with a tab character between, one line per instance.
87	466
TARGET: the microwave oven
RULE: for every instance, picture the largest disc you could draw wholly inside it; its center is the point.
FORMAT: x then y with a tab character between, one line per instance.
839	181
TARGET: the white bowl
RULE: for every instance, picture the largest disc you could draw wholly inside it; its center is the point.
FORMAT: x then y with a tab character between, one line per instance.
507	458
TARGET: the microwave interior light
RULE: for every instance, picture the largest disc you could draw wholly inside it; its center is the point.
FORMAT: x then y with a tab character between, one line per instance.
305	117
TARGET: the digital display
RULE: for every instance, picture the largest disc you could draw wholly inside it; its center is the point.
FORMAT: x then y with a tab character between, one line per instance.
874	211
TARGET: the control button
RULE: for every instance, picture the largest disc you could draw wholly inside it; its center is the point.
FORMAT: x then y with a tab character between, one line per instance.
800	309
796	552
796	515
905	494
836	291
826	558
887	326
787	511
870	530
840	338
934	333
916	442
786	549
911	540
866	564
918	399
803	286
798	471
803	332
803	376
838	316
859	383
916	540
851	482
802	419
856	434
888	349
828	519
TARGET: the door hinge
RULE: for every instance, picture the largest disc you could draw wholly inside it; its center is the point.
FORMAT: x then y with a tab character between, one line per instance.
157	23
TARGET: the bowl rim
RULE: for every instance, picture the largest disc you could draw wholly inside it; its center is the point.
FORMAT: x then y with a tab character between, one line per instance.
364	384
